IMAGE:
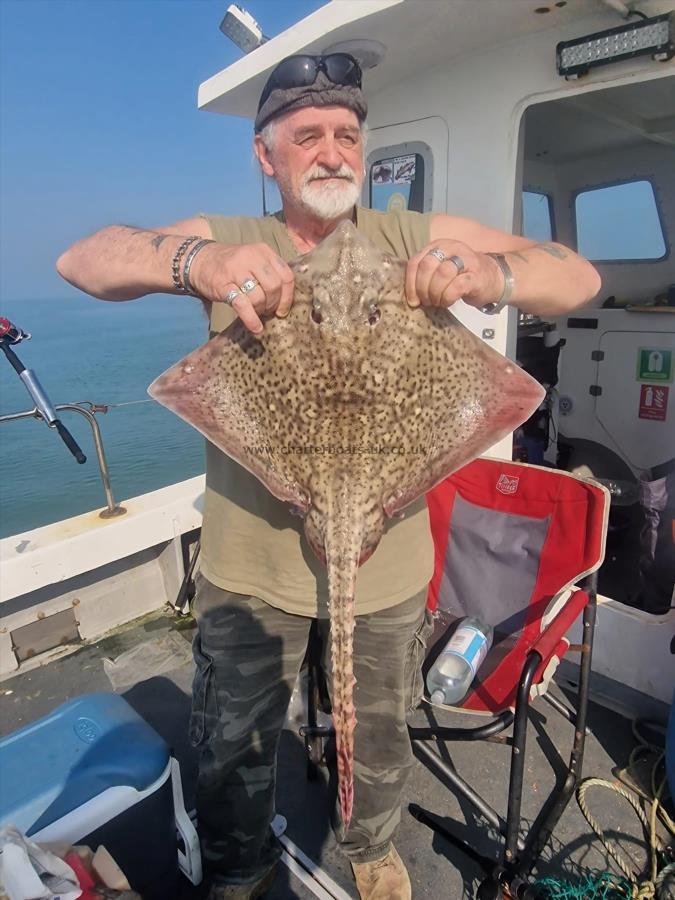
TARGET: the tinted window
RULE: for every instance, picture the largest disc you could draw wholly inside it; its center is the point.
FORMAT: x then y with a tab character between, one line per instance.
537	222
619	222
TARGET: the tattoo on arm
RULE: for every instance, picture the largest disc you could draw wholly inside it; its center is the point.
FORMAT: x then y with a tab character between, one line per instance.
519	256
553	250
156	241
136	230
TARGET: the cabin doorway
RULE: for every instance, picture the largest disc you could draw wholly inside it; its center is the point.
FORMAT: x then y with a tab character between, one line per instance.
598	175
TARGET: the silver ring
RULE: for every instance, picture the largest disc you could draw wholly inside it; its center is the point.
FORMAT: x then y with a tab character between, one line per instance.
438	253
231	296
248	285
459	262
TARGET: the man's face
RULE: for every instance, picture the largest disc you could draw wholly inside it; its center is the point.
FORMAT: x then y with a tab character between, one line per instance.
317	159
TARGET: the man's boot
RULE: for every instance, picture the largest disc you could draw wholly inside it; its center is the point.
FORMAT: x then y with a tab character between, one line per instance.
250	891
383	879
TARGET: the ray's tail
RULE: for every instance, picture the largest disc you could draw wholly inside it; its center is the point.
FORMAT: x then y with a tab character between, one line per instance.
343	549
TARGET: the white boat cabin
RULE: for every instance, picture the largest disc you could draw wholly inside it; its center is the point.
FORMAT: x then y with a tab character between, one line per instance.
467	114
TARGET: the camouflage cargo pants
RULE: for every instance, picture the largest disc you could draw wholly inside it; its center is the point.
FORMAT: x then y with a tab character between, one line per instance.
248	655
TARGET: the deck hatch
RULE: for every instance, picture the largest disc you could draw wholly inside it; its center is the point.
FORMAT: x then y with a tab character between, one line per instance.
45	634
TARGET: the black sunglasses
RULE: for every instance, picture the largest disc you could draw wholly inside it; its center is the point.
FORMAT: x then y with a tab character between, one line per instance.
301	71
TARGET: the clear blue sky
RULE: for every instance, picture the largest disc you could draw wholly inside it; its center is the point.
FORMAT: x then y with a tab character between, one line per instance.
99	123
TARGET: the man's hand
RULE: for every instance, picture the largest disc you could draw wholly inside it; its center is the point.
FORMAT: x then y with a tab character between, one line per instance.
219	270
432	282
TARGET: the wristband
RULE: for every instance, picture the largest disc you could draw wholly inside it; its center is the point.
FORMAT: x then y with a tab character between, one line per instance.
189	259
491	309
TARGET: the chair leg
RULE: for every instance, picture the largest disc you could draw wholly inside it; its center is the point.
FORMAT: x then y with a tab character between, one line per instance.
560	708
590	610
313	735
537	839
460	786
518	758
432	822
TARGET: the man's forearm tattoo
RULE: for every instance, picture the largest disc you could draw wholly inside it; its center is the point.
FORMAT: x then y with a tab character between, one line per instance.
553	250
156	241
518	256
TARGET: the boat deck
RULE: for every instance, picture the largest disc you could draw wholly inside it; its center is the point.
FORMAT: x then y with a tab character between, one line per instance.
437	869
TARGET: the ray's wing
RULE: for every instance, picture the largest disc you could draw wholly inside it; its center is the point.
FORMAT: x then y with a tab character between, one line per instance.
227	390
472	397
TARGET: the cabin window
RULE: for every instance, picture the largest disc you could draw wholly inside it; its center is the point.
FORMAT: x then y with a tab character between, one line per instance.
619	222
397	182
537	217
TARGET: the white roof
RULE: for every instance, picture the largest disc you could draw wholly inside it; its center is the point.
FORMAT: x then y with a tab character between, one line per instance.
417	34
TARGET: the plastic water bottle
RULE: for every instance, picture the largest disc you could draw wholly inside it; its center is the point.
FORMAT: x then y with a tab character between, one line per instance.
450	677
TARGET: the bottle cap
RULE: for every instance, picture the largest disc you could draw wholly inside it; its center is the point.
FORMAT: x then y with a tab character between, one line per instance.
438	696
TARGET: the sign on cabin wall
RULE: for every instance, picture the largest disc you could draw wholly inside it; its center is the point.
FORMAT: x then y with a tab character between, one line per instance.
653	402
397	182
654	364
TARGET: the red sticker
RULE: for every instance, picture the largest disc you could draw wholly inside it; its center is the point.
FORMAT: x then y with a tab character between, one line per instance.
653	402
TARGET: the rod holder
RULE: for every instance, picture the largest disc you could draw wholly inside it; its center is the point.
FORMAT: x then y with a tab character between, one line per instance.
112	509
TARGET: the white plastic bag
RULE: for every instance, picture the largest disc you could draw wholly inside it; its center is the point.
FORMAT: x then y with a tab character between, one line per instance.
28	872
148	660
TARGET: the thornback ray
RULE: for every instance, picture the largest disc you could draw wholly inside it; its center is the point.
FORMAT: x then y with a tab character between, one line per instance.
349	409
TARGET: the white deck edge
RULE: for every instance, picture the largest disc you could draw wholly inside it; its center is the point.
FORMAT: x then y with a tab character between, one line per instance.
57	552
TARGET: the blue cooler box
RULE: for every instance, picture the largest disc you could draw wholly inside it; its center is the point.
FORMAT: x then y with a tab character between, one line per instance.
94	772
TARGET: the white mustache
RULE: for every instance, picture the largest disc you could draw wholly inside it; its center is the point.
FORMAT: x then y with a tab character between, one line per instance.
321	172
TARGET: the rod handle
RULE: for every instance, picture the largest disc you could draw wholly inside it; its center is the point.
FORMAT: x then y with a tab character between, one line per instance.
69	441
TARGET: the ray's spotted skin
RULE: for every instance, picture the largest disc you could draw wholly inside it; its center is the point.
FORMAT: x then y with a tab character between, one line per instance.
349	409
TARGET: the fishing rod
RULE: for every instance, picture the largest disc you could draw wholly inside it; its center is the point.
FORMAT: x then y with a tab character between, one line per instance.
10	336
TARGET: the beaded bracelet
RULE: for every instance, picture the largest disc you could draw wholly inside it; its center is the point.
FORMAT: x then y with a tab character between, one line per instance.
175	263
189	259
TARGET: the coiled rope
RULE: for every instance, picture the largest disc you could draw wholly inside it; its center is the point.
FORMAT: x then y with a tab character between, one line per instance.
649	888
660	883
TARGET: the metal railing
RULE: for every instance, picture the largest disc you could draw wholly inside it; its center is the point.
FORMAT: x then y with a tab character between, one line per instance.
10	336
112	509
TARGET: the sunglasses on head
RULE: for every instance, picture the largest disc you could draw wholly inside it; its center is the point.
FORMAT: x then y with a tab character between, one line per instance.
301	71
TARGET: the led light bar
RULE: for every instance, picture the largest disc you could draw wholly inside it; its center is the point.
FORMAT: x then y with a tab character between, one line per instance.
242	29
653	37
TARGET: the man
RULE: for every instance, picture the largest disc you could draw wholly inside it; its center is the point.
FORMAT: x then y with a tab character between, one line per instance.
259	586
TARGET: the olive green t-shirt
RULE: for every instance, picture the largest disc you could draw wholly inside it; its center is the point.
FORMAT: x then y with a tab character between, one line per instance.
251	543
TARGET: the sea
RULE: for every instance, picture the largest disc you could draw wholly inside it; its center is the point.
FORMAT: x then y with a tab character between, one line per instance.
106	352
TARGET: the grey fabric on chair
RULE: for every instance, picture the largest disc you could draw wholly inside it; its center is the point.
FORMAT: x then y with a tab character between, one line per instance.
490	555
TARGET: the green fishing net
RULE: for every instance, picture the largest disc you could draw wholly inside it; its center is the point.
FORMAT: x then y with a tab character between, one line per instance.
600	887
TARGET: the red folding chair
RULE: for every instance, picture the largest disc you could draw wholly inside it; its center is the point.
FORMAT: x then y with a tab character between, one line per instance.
512	541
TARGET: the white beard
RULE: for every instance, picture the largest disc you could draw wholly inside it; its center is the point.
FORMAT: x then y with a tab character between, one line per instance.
329	199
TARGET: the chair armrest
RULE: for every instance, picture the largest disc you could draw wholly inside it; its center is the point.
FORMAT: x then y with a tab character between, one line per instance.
547	642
